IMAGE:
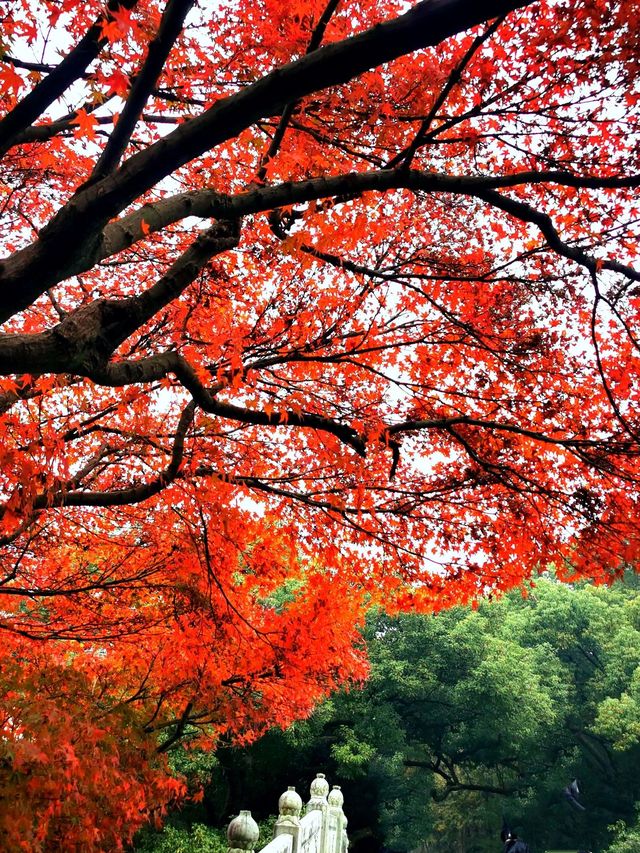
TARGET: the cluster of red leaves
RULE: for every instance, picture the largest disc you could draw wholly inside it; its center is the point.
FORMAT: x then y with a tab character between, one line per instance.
202	631
71	778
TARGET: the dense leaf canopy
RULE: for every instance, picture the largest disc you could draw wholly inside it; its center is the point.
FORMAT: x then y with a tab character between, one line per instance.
301	308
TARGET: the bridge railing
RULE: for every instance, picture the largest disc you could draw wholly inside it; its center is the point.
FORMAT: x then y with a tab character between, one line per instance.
322	828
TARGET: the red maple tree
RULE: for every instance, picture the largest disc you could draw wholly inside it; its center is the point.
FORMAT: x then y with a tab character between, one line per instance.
303	309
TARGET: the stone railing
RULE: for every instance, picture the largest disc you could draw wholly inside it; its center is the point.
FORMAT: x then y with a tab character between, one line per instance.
323	829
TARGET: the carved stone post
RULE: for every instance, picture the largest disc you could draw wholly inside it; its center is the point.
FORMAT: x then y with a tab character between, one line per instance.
319	789
337	821
288	823
242	833
318	802
344	848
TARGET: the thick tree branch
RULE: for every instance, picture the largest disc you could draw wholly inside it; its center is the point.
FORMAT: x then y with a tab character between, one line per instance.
156	367
89	336
134	494
153	217
86	339
75	230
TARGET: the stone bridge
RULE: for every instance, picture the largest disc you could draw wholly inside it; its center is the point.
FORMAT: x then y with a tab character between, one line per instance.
322	828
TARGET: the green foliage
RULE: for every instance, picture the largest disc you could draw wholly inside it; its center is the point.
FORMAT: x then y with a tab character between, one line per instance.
183	837
173	839
197	765
469	716
626	838
619	718
352	754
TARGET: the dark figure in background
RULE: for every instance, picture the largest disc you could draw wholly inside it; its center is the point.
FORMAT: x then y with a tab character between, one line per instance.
505	831
512	844
571	794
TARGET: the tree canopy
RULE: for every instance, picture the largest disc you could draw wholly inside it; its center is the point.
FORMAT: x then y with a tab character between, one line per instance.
301	309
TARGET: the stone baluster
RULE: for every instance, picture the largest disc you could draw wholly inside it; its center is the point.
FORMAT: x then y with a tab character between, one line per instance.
288	823
344	847
318	802
336	801
242	833
336	821
319	789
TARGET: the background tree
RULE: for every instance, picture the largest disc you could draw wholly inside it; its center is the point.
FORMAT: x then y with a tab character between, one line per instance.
468	716
351	286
